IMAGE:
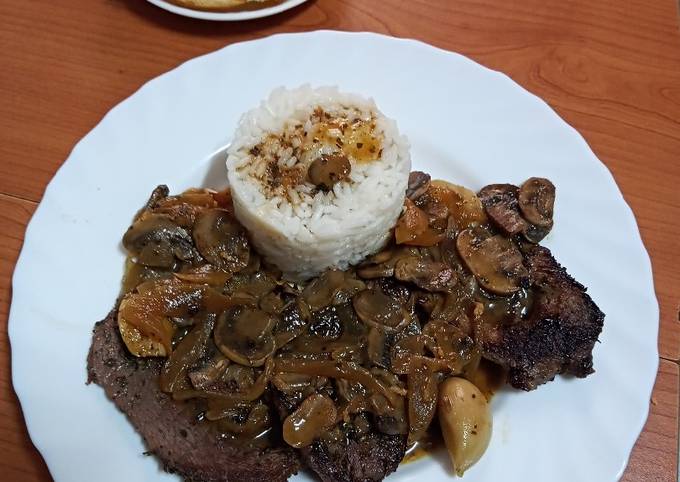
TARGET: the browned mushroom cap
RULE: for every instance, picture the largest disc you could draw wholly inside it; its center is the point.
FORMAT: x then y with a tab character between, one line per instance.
448	342
160	192
315	415
424	273
376	309
418	184
221	240
494	260
535	234
331	287
537	200
328	170
244	335
156	241
500	203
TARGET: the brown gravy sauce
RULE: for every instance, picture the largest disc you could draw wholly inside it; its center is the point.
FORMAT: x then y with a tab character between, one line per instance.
488	378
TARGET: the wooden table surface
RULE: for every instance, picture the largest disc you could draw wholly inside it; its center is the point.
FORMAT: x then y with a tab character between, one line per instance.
611	68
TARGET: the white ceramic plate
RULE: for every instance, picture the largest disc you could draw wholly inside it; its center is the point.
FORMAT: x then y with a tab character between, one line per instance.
466	124
227	16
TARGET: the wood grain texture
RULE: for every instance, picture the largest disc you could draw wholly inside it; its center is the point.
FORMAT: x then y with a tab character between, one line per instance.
610	68
19	460
655	456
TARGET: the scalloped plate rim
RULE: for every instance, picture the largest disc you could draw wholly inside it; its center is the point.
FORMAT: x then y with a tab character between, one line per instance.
23	388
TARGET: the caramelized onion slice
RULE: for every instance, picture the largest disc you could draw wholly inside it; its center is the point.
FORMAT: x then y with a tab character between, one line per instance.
186	354
422	398
141	345
412	223
243	395
205	274
145	329
336	369
463	204
149	311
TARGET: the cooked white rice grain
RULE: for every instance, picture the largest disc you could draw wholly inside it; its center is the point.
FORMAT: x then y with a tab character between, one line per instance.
302	228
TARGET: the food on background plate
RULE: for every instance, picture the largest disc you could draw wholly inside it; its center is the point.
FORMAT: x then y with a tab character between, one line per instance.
237	358
226	5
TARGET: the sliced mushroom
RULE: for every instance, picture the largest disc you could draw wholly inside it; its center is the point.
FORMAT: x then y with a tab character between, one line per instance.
378	310
160	192
315	415
494	260
500	203
418	184
537	201
535	234
290	325
326	324
183	209
328	170
207	375
450	343
381	265
244	335
221	240
156	241
424	273
331	287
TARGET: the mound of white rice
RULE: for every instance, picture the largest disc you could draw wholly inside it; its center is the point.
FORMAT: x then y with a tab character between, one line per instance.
301	228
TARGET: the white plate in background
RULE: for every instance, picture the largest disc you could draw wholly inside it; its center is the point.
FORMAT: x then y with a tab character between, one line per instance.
466	124
227	16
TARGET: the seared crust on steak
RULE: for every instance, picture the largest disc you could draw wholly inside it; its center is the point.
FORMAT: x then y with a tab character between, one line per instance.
559	333
367	458
371	458
183	444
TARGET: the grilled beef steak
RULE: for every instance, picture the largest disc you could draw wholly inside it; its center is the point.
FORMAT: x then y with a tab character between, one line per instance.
172	433
369	457
559	333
